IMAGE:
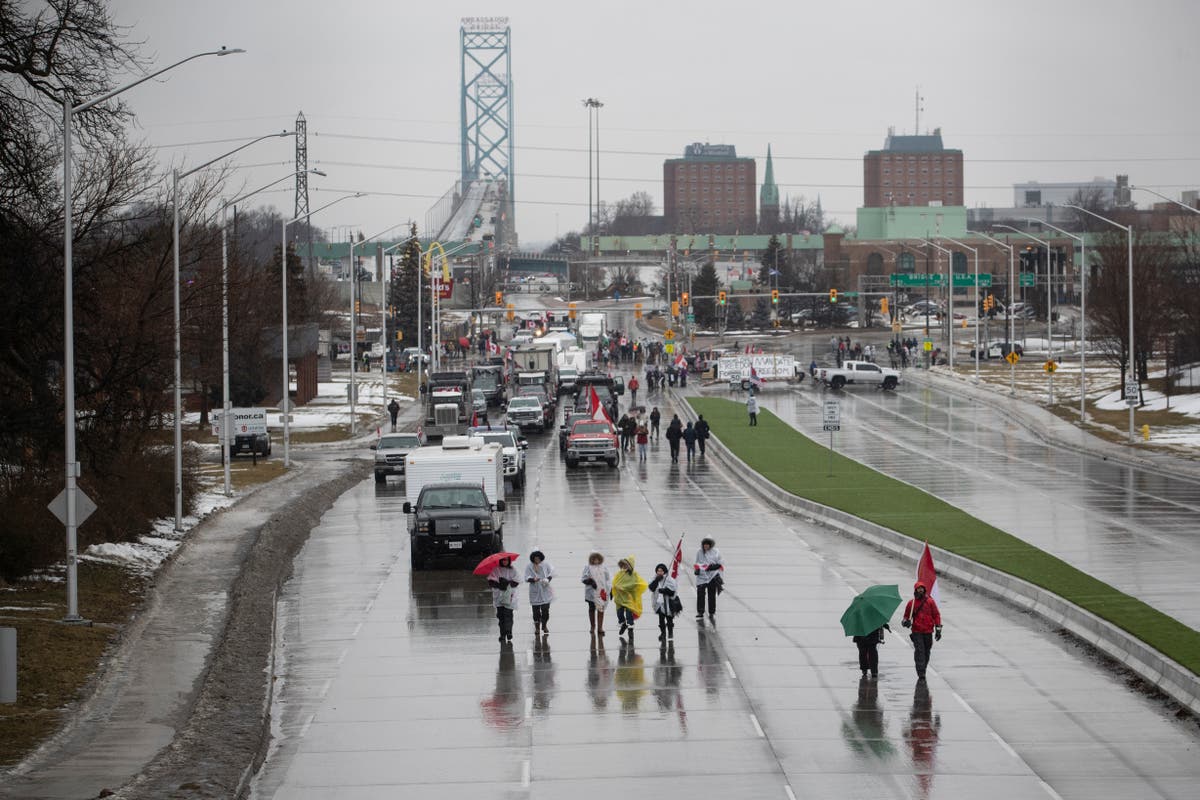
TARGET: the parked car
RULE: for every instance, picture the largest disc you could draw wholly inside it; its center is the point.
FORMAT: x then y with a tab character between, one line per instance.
998	349
257	444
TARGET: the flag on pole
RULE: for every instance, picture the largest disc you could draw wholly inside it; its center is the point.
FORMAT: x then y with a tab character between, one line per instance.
679	359
597	409
927	574
493	346
678	557
755	380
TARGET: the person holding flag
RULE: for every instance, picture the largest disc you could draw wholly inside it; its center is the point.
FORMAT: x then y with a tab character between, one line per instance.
666	602
921	614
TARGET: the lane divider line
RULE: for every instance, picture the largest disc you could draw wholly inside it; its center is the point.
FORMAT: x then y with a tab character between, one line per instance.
357	628
757	728
1007	748
965	706
528	707
1050	791
729	669
529	658
788	789
304	727
525	774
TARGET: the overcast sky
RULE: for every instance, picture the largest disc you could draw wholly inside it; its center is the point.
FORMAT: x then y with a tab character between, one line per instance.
1053	90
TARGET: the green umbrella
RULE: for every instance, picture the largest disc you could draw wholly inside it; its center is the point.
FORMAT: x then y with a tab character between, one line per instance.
870	610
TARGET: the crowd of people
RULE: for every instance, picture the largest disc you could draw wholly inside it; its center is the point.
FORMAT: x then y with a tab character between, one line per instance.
625	589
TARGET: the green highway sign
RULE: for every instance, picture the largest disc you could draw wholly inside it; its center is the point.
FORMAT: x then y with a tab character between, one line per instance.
916	279
968	280
848	294
1027	279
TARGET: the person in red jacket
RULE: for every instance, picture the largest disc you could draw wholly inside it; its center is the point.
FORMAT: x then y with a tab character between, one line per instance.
921	615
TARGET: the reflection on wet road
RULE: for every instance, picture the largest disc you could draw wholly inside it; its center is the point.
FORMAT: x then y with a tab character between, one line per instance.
1132	528
393	684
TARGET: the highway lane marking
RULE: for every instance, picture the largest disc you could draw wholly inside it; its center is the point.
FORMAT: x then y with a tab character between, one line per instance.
1007	748
525	774
304	727
968	708
528	707
342	657
757	728
357	628
788	789
529	658
1050	791
729	669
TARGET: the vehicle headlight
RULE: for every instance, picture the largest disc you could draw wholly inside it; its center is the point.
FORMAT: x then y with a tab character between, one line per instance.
485	525
423	526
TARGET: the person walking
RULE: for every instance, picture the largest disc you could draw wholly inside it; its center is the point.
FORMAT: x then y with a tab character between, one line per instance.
655	419
538	574
689	439
752	409
504	583
627	590
674	434
708	568
633	387
596	580
642	435
666	602
868	651
393	411
702	431
921	615
623	431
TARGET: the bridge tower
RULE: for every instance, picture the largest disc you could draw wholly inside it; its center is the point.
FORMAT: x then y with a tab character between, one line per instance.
486	102
301	209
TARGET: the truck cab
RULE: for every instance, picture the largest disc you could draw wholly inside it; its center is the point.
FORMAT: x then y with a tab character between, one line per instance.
591	442
453	518
859	372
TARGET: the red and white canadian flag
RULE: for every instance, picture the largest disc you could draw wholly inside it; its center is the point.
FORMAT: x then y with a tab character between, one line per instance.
927	574
678	557
597	408
493	346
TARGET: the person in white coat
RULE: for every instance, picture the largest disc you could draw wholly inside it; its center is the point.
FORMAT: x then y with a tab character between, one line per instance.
752	408
596	580
708	568
538	574
665	589
504	583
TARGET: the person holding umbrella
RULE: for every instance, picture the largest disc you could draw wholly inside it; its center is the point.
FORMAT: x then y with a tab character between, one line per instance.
921	615
503	580
866	619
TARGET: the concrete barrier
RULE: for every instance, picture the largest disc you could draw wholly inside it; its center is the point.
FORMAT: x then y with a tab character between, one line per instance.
1167	675
8	665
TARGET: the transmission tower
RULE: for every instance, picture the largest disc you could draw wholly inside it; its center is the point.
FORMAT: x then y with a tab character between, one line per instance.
302	180
486	102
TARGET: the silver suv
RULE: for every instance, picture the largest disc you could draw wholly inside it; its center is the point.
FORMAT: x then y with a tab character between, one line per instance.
391	450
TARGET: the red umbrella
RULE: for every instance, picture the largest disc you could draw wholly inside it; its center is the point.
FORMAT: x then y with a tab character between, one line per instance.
464	341
491	562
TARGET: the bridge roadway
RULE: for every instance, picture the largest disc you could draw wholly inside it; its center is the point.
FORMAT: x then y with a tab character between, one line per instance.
1131	527
393	684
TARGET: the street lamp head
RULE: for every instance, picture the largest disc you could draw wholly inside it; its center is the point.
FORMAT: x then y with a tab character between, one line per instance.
318	172
226	51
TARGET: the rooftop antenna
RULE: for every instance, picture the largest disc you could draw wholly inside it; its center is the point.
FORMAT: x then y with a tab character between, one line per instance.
920	108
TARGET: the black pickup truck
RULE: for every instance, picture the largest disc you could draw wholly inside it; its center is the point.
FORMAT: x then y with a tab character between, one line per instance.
453	519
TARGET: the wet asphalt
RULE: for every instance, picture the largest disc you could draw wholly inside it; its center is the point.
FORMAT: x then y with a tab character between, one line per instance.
391	683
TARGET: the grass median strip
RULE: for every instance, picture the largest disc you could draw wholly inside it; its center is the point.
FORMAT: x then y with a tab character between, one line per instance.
800	465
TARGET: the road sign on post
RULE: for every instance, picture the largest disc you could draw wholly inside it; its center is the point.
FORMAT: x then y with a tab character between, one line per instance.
831	416
1012	357
1027	279
1131	393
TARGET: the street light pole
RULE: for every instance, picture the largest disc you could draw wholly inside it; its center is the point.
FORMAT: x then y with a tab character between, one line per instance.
176	176
72	470
1164	197
950	317
1132	358
1049	321
976	254
1012	258
1082	316
285	398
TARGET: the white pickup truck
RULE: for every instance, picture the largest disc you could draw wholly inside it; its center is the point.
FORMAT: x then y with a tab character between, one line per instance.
859	372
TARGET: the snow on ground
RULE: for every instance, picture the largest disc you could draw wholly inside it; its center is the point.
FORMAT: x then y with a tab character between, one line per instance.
1188	404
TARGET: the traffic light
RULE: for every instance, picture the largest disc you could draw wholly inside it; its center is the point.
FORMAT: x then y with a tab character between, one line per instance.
511	315
833	295
637	310
674	308
399	336
775	296
883	306
499	298
358	306
684	301
721	298
570	310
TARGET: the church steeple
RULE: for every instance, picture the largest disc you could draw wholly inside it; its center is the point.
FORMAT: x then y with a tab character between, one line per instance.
768	199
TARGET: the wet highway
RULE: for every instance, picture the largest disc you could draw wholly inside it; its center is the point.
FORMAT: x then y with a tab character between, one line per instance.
1133	528
393	684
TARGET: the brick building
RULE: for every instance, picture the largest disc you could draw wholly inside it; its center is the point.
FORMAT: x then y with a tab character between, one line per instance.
710	190
913	171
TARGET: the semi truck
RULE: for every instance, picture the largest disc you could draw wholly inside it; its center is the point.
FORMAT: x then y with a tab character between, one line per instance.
593	325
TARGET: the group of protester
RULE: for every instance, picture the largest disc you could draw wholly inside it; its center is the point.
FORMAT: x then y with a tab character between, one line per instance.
624	589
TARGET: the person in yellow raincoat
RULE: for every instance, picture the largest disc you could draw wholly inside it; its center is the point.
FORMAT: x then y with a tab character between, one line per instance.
627	590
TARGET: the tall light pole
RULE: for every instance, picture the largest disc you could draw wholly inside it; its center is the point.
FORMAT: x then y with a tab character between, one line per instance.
177	176
1012	259
72	470
1131	378
950	318
226	405
285	400
1049	321
1082	316
1164	197
974	252
593	107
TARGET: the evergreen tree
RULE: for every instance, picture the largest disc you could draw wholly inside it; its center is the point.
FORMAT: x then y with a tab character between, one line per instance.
705	284
760	318
402	289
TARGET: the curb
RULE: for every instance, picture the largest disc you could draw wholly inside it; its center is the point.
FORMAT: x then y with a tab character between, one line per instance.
1167	675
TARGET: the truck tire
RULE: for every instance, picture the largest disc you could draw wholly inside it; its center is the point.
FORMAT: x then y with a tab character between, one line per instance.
380	477
416	559
889	383
837	381
613	463
519	480
572	463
